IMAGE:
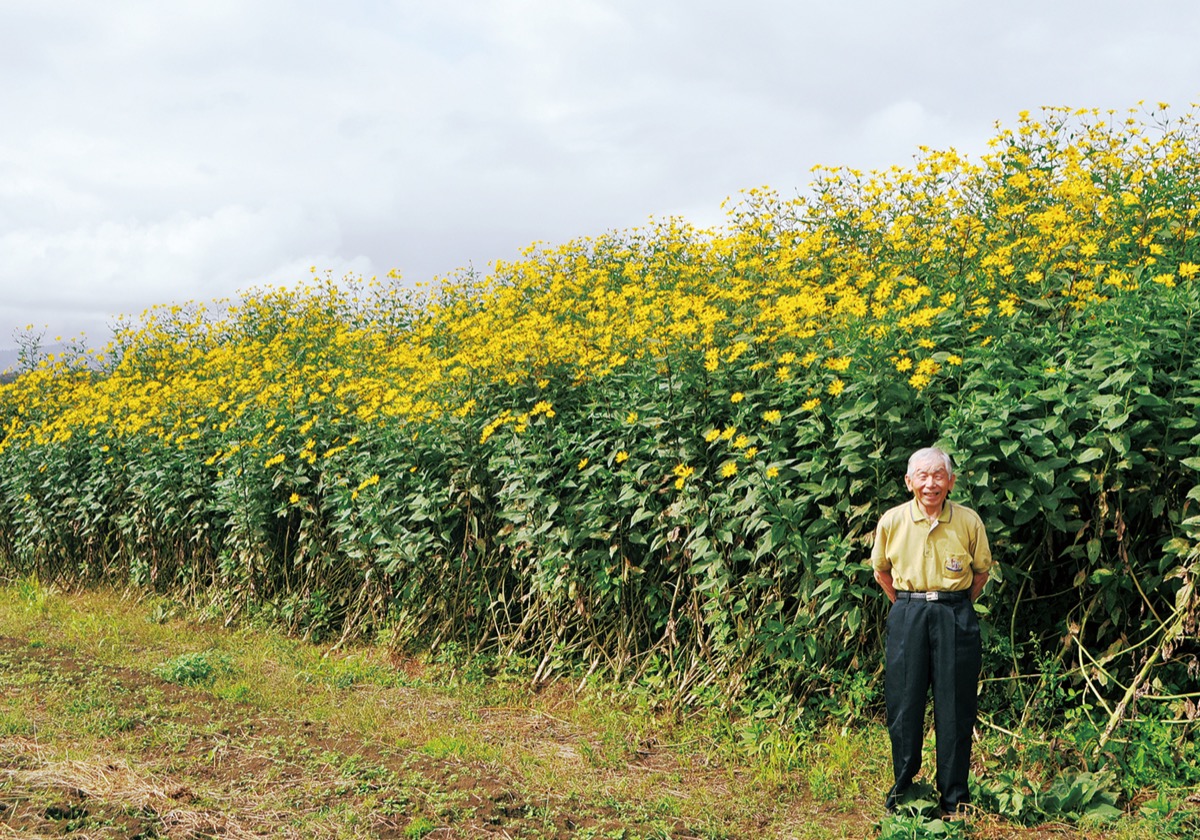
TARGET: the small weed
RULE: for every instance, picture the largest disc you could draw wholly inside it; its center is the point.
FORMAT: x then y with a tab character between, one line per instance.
15	723
239	692
163	610
821	783
420	827
1167	817
195	669
918	816
919	827
444	747
33	596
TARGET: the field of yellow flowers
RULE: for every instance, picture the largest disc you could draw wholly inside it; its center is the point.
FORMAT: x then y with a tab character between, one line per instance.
660	453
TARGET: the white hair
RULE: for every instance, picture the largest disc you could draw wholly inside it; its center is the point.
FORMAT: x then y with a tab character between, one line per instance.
930	452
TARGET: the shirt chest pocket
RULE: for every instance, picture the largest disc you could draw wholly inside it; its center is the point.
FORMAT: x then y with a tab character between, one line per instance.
954	557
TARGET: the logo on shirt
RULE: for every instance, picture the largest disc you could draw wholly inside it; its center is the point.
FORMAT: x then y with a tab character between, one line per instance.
953	564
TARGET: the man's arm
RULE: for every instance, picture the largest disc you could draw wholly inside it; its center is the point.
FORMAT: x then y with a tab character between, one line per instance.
885	580
977	584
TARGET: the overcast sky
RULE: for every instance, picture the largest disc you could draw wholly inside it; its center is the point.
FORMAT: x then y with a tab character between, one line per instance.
162	151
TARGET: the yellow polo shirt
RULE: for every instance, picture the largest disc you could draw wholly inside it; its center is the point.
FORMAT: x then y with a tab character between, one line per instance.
943	555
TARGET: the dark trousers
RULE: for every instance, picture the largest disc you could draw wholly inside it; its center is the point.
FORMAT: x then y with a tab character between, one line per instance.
932	644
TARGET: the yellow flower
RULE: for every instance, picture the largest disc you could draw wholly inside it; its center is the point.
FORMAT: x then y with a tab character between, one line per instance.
631	417
583	462
622	457
811	405
728	469
1188	270
272	461
729	433
741	442
751	452
737	397
903	363
711	435
836	387
772	416
294	499
952	359
682	473
772	472
839	364
918	381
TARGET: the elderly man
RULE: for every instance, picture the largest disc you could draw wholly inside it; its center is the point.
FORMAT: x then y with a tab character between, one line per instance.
931	557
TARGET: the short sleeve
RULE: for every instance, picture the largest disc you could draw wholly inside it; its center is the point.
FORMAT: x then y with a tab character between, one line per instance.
981	554
879	558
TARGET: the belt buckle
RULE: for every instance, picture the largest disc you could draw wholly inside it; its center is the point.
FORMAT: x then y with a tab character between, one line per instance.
932	595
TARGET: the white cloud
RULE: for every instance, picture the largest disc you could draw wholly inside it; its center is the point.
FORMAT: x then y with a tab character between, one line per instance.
119	267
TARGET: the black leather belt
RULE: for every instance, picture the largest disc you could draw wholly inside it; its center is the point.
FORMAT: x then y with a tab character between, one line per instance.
933	595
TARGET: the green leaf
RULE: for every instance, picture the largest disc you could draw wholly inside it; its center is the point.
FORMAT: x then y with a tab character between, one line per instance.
641	515
854	619
1102	811
1105	401
850	439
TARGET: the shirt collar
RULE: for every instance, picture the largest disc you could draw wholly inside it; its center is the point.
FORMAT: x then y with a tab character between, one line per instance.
945	516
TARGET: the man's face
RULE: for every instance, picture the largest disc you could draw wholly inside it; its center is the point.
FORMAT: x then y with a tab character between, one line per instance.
929	483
